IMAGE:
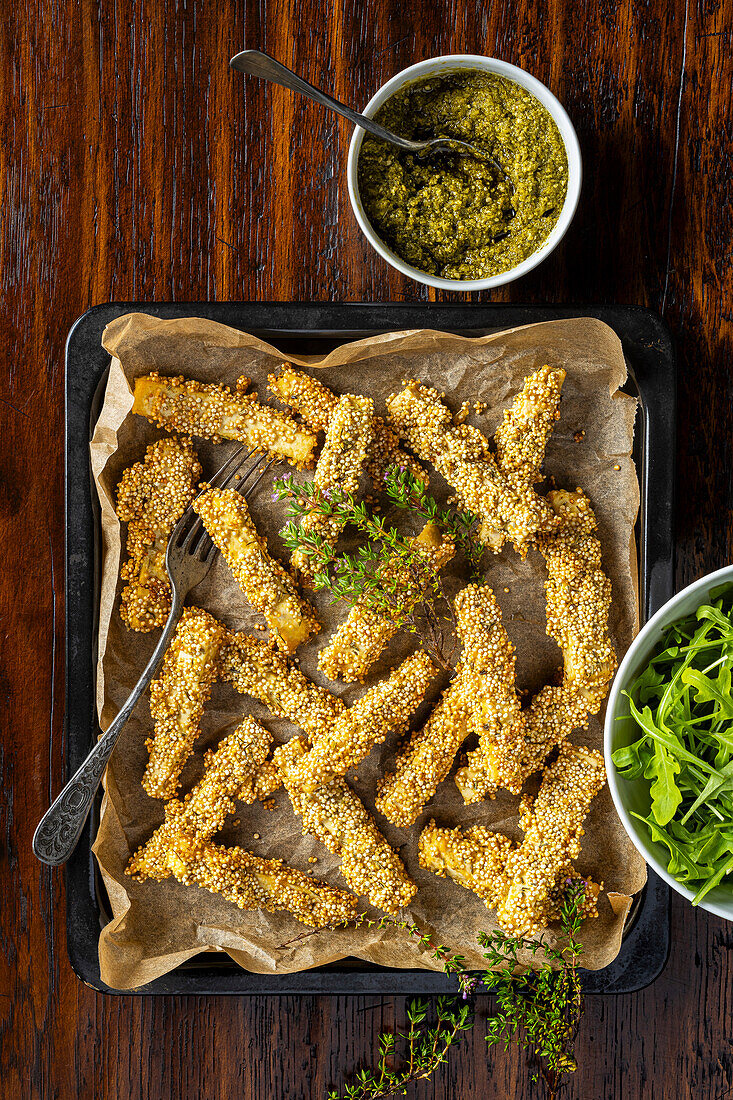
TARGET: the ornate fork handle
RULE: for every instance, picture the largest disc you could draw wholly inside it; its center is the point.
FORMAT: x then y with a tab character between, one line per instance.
60	827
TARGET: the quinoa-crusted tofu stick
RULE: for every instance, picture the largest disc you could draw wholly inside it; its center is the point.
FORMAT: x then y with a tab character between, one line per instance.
553	827
249	881
579	598
336	816
359	640
385	707
151	497
506	508
316	404
475	859
521	438
203	812
266	583
214	412
426	759
178	697
340	466
496	715
255	669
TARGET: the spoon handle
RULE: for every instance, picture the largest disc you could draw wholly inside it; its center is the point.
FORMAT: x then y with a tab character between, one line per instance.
255	63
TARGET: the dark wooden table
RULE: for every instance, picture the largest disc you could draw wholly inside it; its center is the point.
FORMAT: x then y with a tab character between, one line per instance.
133	166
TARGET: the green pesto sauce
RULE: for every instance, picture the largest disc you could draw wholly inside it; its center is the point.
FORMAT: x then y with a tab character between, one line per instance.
455	216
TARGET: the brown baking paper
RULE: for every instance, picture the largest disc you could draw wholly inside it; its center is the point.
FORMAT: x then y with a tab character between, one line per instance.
156	926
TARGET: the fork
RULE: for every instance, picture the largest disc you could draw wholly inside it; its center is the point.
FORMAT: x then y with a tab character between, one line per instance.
189	556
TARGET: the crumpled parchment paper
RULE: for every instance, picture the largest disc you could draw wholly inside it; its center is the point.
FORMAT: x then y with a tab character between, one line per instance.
156	926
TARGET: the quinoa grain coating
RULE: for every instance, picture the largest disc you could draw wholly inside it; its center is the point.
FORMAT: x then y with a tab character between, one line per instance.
266	583
214	412
521	438
507	508
151	497
316	404
178	697
475	859
553	828
336	816
254	668
340	466
203	812
382	709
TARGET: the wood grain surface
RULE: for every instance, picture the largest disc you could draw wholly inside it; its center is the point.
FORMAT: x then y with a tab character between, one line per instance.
133	164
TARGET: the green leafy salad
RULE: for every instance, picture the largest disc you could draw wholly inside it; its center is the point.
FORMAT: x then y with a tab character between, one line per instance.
683	708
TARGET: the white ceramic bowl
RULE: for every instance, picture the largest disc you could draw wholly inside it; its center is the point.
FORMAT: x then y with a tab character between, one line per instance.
621	730
451	63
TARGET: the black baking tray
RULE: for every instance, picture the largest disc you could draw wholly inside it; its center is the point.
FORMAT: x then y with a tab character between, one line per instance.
316	328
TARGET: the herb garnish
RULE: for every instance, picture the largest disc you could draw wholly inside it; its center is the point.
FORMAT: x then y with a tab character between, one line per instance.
387	573
538	1010
683	707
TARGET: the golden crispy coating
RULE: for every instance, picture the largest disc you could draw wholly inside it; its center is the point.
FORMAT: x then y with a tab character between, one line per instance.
215	412
203	812
428	756
475	859
553	827
359	640
385	707
250	882
484	675
305	394
316	403
479	860
578	602
255	669
265	781
340	466
579	598
151	498
178	697
496	715
506	507
265	582
336	816
521	438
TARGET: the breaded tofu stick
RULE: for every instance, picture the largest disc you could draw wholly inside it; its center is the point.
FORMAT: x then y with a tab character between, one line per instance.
521	438
359	640
215	412
151	497
178	697
382	709
336	816
553	827
316	403
478	860
255	669
475	859
341	466
506	508
250	882
203	812
579	598
496	716
266	583
427	758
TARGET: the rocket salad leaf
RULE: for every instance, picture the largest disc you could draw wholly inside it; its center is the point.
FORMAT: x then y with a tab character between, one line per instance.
682	707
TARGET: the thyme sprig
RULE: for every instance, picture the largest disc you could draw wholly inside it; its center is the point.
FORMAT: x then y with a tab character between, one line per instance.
387	573
539	1010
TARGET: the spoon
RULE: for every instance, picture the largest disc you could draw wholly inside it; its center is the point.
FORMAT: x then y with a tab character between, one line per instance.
255	63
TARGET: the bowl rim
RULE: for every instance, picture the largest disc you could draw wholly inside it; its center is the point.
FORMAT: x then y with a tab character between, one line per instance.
567	133
642	645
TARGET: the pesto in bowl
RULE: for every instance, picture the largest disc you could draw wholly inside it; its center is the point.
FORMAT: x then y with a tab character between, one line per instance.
457	217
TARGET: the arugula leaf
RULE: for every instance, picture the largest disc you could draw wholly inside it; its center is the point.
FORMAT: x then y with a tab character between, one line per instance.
666	795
